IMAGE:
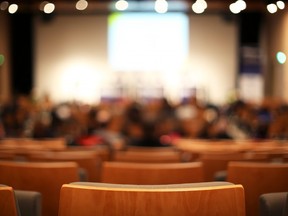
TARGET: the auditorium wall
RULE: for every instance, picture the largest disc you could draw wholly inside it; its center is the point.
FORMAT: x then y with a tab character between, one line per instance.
71	61
4	51
277	34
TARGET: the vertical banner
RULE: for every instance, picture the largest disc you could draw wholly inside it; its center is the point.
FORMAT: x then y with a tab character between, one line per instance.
251	81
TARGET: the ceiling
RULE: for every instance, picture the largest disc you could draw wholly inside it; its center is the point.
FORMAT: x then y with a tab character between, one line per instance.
137	5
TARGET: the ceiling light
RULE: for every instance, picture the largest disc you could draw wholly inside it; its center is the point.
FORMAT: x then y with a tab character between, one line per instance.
237	6
42	5
49	8
280	5
202	3
234	8
281	57
81	5
12	8
241	4
121	5
161	6
4	5
272	8
199	6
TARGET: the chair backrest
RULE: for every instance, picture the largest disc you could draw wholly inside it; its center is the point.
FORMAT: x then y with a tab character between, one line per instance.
88	160
103	151
7	155
151	173
45	177
8	204
258	178
150	149
216	199
216	162
33	144
147	156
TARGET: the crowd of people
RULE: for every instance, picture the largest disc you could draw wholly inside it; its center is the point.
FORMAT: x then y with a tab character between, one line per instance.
151	122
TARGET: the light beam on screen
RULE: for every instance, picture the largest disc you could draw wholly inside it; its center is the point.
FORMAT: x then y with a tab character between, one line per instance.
148	41
78	81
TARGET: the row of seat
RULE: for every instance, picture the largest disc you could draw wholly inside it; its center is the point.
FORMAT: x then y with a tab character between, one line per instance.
87	157
256	177
48	177
97	168
87	199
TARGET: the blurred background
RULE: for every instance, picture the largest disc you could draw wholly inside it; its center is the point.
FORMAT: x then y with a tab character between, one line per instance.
95	50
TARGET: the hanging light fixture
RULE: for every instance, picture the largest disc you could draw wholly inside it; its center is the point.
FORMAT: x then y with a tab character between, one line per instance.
280	4
121	5
161	6
81	5
241	4
272	8
12	8
4	5
237	6
47	7
199	6
281	57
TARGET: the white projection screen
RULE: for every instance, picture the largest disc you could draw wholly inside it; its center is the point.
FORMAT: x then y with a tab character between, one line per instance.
148	41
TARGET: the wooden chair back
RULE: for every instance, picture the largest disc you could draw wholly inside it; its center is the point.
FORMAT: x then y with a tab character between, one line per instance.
147	156
33	144
103	151
151	173
7	155
215	162
258	178
150	149
88	160
201	199
46	178
8	205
